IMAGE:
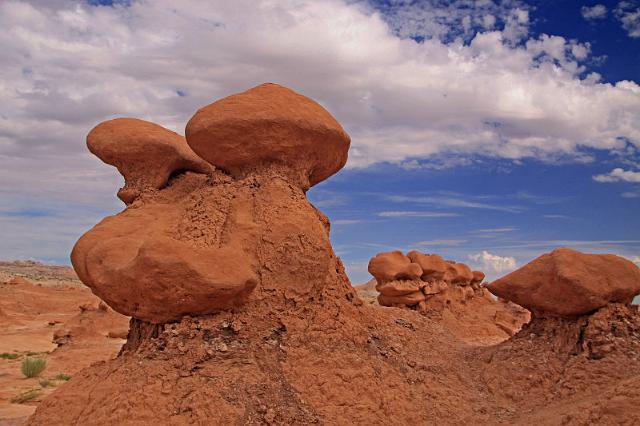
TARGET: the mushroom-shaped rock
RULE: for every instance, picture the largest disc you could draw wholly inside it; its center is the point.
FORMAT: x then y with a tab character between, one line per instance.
270	124
433	266
478	277
145	153
393	265
458	273
566	282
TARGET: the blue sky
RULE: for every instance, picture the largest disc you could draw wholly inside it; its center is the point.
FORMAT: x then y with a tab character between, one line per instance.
489	132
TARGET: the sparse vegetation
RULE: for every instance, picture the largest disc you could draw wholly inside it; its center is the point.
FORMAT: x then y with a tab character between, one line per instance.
31	367
45	383
62	376
6	355
26	396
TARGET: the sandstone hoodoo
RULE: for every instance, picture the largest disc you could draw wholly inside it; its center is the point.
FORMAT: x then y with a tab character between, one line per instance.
145	154
409	280
270	124
566	282
205	242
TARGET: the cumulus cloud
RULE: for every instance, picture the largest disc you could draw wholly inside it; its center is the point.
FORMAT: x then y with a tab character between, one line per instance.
628	13
493	264
476	84
618	175
598	11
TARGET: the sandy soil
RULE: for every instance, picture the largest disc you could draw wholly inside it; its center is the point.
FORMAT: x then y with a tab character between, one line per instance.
38	302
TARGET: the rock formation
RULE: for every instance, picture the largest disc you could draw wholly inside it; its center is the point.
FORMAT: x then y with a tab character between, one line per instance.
446	291
412	279
242	313
208	240
569	283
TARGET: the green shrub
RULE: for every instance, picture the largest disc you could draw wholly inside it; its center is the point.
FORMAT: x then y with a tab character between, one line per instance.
26	396
6	355
31	367
62	376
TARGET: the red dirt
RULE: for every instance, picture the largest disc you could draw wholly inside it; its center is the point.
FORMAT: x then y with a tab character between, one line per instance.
36	311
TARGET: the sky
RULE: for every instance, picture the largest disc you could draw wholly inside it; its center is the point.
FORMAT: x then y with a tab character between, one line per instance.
486	131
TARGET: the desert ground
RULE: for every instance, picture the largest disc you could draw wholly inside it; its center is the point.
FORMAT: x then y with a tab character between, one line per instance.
46	312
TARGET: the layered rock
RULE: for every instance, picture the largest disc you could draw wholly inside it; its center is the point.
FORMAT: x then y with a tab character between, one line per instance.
568	283
412	279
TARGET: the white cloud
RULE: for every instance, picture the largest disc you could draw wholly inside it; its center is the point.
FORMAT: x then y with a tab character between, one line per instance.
494	230
598	11
628	13
631	194
634	259
618	175
440	243
416	214
493	264
451	201
464	91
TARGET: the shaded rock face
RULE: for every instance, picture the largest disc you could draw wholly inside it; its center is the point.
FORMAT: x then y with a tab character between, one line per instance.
206	241
568	283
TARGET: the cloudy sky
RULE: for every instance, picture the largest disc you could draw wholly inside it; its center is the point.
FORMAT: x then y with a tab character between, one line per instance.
487	131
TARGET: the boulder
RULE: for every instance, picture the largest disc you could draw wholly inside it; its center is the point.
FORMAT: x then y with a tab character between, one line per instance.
566	282
433	266
478	277
392	266
145	153
270	124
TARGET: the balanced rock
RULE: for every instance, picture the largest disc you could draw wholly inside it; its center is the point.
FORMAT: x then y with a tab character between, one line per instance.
270	124
205	241
433	266
145	153
566	282
392	266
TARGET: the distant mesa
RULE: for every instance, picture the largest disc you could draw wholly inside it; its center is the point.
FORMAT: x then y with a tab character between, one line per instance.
568	283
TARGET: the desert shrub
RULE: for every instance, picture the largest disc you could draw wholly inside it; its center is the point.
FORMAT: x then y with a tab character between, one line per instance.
6	355
62	376
31	367
45	383
26	396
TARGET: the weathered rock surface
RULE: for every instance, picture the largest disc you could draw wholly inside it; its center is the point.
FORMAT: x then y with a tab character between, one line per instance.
204	243
392	266
145	153
566	282
270	124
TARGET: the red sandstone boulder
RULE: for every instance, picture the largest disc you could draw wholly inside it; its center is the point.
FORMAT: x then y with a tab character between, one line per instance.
566	282
145	153
393	265
478	277
433	266
270	124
